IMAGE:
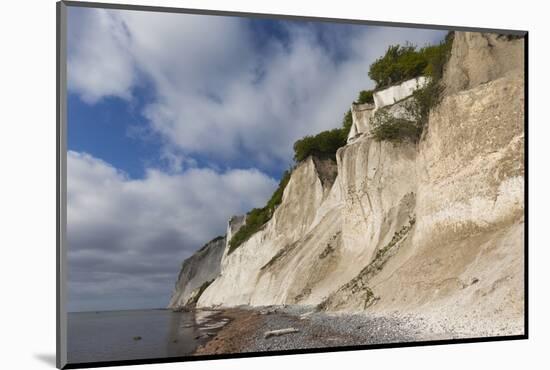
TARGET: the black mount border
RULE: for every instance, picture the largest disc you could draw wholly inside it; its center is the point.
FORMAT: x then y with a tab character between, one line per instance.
61	200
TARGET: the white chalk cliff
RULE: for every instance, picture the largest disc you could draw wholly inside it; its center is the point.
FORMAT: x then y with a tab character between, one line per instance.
197	272
433	228
392	97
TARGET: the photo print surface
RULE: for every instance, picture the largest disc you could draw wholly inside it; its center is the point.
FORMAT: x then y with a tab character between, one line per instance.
241	184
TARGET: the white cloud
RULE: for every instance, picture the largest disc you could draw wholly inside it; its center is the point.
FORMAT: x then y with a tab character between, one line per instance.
100	63
128	237
216	94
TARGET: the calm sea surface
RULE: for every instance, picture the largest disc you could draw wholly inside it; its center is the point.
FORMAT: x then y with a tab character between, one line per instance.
109	335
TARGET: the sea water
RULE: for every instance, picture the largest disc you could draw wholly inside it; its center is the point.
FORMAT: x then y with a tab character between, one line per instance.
136	334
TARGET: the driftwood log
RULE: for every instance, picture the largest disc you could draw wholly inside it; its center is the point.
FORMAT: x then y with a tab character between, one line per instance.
276	333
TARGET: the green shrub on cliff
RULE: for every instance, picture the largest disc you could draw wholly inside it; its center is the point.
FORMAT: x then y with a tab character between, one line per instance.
277	196
423	100
347	122
257	217
386	126
366	96
325	143
429	96
401	63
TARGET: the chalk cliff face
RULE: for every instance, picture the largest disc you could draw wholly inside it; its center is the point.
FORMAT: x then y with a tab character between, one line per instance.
463	255
275	265
196	272
433	228
399	92
394	97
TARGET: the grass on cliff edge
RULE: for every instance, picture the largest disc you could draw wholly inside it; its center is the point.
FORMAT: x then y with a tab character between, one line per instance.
365	96
326	143
257	217
403	62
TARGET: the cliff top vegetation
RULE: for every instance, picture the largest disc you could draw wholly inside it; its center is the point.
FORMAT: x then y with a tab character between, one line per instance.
399	63
403	62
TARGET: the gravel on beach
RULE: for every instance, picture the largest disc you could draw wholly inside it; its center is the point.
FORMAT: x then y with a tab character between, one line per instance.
247	326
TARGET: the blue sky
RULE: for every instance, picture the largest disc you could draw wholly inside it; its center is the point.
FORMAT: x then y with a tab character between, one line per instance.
176	122
113	130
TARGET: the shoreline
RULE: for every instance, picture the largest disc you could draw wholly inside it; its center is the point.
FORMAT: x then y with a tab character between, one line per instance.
247	326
